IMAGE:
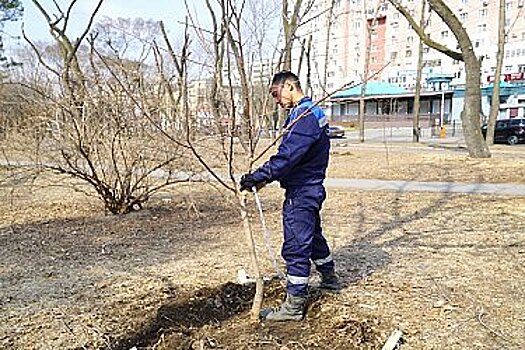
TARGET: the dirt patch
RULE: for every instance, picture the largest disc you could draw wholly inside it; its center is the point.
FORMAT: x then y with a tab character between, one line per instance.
213	318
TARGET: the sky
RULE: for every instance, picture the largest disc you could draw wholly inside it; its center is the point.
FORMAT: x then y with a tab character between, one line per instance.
35	26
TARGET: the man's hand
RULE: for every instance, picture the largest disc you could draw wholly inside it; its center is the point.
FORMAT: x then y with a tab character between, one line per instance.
247	182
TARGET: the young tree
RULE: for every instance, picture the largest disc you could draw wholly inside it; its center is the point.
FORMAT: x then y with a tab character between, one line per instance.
371	25
291	22
494	108
470	116
232	99
415	122
502	38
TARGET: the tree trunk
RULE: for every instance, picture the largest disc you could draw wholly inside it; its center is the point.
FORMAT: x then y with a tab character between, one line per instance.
415	121
290	25
470	117
494	107
362	102
329	23
259	286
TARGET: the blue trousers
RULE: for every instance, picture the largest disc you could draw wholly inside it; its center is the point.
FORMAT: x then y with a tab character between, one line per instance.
303	237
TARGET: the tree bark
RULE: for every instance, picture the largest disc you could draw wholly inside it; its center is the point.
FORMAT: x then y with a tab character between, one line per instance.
259	286
470	116
415	121
290	25
494	107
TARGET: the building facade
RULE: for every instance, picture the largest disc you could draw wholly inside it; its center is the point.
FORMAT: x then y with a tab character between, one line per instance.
339	49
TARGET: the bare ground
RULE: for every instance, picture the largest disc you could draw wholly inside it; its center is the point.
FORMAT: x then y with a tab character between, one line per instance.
445	269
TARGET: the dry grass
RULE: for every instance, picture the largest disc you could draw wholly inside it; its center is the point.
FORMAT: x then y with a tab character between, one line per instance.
446	269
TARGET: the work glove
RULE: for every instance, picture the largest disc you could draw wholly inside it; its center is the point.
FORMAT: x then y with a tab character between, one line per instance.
248	182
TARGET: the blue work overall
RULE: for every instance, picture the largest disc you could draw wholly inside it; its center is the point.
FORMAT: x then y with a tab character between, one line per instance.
300	167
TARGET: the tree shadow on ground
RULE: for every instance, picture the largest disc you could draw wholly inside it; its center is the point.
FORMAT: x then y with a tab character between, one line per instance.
363	256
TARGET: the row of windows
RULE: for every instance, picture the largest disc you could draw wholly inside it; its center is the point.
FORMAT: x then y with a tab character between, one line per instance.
463	17
515	53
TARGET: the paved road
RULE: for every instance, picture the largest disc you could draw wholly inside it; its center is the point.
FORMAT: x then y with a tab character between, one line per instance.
418	186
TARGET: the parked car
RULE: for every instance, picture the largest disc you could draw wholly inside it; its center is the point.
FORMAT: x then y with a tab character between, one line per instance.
511	131
335	131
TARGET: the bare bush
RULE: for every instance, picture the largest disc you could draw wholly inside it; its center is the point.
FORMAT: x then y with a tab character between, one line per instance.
99	110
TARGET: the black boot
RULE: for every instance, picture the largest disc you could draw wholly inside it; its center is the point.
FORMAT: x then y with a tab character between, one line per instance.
291	310
330	281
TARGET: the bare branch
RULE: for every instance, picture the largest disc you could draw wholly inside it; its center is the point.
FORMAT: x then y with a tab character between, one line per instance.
425	37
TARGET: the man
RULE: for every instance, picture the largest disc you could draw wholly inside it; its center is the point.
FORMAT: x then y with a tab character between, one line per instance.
300	167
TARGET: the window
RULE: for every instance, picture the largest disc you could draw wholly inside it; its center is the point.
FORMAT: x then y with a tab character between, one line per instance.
463	17
408	53
501	125
483	12
444	34
521	68
393	56
482	28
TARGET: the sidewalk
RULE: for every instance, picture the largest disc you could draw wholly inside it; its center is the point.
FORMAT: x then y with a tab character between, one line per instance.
506	189
403	134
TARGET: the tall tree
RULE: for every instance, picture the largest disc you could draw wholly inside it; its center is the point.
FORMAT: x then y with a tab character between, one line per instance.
470	117
371	26
10	10
291	22
415	122
494	107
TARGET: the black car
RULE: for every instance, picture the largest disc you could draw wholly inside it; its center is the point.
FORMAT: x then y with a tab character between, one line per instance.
511	131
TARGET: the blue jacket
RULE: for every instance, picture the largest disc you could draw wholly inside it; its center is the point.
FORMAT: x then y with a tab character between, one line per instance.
302	157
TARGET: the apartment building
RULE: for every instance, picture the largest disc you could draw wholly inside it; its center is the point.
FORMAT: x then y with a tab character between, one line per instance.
339	49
